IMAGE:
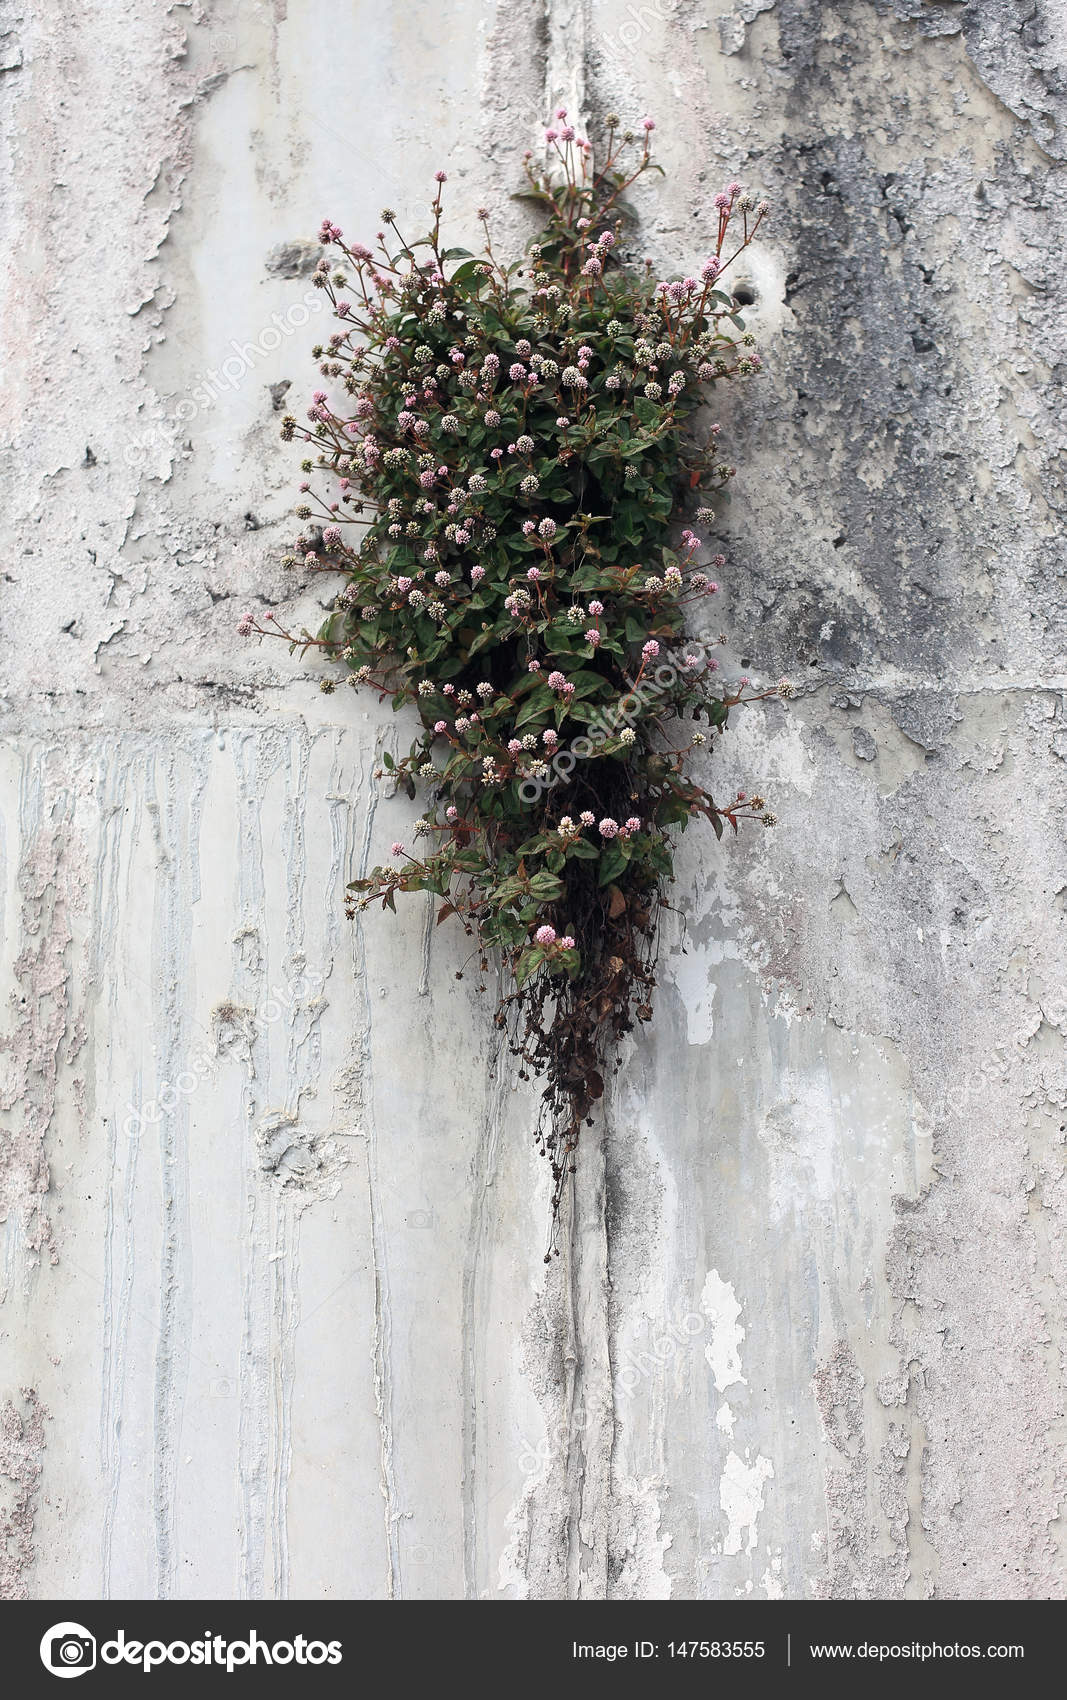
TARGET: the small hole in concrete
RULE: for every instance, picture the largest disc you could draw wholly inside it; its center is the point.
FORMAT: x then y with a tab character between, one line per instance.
744	294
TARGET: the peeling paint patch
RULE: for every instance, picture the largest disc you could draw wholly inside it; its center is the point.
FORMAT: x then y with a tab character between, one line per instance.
44	1031
865	1496
771	1580
741	1497
21	1443
693	974
723	1352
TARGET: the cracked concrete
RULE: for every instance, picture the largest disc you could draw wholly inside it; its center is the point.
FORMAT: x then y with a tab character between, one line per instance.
275	1318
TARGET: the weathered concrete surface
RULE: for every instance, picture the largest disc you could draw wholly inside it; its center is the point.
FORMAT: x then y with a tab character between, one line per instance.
274	1318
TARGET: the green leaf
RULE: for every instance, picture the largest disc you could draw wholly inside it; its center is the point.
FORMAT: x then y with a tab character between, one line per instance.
468	276
585	682
583	713
612	862
528	964
540	702
482	640
546	886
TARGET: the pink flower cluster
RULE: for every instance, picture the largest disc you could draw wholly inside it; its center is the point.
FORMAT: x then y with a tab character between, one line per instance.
547	935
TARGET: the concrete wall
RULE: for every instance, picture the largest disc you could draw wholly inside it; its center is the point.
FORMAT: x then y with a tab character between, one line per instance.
275	1318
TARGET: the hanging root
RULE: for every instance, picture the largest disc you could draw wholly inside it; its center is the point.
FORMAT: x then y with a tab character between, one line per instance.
567	1031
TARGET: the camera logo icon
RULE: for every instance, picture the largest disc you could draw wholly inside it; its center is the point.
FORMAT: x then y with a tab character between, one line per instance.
68	1649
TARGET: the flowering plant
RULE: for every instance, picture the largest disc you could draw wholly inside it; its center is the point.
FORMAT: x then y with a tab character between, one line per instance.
508	452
